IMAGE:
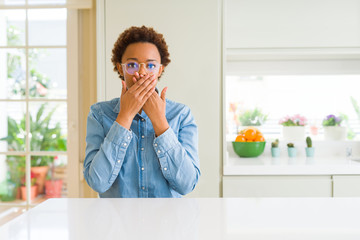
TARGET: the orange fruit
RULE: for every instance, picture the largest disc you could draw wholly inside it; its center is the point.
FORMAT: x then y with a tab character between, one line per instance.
259	138
240	138
250	134
249	141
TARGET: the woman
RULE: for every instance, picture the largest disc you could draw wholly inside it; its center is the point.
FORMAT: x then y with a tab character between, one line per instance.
141	144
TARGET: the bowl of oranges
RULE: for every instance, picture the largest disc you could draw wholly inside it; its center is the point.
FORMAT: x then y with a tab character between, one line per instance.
249	143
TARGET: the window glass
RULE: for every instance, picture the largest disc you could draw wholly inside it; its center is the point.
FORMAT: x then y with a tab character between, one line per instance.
51	21
276	96
12	27
47	73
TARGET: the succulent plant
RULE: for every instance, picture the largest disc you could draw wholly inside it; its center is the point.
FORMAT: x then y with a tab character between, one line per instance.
275	144
290	145
308	142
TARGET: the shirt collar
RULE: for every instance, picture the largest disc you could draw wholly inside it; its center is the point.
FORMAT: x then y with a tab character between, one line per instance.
117	106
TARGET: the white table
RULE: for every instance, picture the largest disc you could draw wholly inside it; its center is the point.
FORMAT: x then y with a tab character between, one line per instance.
203	218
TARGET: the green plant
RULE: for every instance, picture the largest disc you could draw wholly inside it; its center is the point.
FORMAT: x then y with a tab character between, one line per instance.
275	144
290	145
356	107
332	120
43	137
296	120
253	117
309	142
350	132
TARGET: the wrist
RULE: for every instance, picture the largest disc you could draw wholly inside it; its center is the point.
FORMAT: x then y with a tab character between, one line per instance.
161	126
124	120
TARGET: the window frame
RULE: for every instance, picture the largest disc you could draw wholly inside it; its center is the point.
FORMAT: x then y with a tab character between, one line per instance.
72	101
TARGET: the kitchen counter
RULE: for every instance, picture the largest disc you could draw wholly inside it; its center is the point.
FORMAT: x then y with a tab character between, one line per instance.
291	166
186	218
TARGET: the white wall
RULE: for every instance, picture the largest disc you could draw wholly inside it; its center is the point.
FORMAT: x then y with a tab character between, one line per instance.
192	30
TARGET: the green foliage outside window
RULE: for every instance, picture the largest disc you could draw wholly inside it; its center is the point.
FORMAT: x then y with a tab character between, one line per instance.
253	117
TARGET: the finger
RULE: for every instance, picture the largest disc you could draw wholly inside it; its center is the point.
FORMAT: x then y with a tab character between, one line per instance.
145	82
137	76
163	93
123	89
138	86
149	88
148	95
134	79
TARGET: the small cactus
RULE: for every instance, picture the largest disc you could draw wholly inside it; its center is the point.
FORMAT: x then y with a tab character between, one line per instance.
308	142
275	144
290	145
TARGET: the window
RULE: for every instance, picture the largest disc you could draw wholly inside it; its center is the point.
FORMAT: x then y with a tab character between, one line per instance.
38	126
313	89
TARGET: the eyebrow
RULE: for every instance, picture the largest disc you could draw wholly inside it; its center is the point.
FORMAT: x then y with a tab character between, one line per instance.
148	60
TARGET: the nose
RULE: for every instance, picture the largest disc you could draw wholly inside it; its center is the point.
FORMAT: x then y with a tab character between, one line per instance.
142	69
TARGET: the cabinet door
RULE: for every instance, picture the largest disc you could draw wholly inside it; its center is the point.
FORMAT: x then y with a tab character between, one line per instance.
346	186
292	24
277	186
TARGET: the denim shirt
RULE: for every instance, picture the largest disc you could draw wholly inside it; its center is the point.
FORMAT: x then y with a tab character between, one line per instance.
135	163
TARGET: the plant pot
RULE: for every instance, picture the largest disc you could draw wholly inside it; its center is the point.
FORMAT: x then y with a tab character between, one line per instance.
293	133
53	188
292	152
310	152
40	174
275	152
336	133
33	192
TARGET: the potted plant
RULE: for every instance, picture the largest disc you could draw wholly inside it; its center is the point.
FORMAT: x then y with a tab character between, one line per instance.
333	129
33	190
53	186
293	127
254	117
291	150
309	149
42	139
275	150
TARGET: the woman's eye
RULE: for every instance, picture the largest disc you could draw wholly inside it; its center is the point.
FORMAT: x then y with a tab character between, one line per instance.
131	65
151	65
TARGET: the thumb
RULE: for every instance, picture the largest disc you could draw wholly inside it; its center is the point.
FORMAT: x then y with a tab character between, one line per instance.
123	89
163	93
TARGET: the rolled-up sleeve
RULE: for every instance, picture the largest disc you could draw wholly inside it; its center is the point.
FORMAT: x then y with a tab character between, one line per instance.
104	154
178	155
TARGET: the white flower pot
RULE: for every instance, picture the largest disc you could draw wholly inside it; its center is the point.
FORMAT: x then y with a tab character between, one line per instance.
335	133
293	133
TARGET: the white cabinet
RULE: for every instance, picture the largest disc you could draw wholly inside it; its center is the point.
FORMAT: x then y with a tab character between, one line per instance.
292	24
277	186
346	186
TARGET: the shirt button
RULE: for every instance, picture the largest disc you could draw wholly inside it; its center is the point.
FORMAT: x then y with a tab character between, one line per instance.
159	151
124	144
143	188
128	137
118	161
155	144
142	136
142	119
142	149
165	168
142	169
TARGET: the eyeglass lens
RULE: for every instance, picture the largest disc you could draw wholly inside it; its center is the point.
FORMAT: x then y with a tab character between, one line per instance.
132	67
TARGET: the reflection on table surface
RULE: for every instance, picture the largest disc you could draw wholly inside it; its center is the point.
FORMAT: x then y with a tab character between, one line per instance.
186	218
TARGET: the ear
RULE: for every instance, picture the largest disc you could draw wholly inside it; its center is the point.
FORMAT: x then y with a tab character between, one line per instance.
161	70
119	68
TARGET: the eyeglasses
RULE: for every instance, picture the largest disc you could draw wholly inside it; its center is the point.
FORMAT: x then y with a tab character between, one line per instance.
132	66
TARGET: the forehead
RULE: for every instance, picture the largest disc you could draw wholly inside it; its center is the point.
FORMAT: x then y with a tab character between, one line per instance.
142	52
